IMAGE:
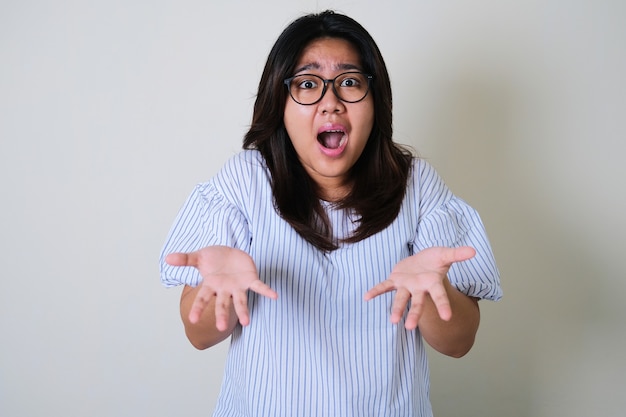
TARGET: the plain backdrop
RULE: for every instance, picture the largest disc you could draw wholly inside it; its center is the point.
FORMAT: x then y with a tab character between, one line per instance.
111	111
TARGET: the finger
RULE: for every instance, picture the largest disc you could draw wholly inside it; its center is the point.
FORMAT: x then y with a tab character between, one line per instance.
440	299
199	304
398	307
415	312
460	254
223	304
240	303
181	259
379	289
262	288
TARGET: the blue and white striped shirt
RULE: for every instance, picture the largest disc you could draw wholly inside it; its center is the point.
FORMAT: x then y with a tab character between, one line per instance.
319	349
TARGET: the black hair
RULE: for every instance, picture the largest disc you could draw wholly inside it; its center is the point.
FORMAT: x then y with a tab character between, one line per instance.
378	177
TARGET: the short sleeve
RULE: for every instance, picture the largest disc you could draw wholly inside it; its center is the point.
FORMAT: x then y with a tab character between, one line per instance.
206	218
448	221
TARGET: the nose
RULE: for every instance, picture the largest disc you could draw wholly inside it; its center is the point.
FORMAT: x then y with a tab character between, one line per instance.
330	103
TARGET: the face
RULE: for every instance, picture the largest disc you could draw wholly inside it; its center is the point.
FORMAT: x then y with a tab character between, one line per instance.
330	135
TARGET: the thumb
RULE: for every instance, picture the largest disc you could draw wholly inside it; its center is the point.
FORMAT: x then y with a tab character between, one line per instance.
181	259
461	254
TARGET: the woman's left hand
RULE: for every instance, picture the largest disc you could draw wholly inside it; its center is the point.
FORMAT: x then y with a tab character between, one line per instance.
420	276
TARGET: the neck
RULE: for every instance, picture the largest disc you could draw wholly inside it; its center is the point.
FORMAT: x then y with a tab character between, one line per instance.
334	192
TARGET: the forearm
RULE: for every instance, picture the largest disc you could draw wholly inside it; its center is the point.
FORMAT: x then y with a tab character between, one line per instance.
204	333
454	337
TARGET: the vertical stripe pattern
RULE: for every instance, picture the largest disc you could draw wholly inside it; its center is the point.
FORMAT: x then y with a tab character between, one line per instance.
320	350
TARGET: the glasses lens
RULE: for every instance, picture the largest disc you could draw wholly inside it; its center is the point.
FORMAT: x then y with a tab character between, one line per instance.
349	87
306	88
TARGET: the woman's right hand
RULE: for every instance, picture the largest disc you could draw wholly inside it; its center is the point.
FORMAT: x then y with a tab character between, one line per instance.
227	275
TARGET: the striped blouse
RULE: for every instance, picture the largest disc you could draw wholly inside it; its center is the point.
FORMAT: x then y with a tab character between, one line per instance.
319	349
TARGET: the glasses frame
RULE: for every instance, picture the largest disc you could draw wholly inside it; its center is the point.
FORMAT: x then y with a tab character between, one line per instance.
287	82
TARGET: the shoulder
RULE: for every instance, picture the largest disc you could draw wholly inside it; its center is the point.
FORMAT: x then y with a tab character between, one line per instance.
240	168
244	176
425	179
422	171
426	190
246	162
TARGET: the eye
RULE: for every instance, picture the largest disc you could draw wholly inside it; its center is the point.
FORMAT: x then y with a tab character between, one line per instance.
306	83
350	81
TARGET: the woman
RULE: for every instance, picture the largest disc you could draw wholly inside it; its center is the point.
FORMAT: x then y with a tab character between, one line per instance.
301	247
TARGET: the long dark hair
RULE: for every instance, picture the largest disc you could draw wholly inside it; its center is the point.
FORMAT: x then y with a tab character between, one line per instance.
379	176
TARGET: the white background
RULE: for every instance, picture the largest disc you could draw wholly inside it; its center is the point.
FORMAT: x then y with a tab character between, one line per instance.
111	111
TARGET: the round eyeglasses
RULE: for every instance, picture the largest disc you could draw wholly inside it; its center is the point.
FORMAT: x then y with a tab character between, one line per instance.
308	89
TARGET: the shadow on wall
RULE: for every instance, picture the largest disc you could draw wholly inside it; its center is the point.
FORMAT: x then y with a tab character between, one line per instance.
532	352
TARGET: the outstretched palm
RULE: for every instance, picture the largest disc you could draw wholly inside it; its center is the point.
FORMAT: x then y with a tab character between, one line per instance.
227	275
418	276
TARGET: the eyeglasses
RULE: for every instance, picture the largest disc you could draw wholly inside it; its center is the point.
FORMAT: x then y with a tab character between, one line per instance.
308	89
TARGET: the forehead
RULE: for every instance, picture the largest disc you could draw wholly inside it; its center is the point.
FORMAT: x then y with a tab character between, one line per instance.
329	54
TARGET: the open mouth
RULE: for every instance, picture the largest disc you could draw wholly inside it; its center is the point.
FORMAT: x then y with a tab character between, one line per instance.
332	139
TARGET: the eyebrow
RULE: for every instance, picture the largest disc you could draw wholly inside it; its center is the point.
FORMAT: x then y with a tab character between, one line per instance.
317	66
